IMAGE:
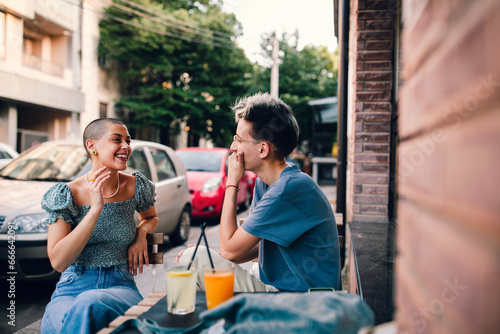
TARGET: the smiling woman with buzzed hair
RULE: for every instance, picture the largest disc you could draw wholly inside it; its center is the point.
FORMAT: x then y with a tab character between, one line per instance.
93	239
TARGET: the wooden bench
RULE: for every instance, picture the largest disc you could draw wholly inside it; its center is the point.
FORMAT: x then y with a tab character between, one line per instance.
154	239
135	311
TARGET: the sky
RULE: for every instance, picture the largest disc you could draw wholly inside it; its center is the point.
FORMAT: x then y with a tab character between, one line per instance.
312	18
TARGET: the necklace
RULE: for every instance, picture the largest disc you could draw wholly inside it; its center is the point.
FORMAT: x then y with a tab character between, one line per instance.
117	188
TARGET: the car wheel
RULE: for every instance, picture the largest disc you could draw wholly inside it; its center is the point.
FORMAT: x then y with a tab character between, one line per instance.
181	233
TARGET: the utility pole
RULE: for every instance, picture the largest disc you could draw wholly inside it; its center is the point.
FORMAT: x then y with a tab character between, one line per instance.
275	73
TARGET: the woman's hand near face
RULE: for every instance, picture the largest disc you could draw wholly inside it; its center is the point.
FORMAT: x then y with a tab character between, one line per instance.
95	187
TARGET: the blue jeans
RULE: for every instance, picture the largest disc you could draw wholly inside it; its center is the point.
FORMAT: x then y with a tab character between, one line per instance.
87	299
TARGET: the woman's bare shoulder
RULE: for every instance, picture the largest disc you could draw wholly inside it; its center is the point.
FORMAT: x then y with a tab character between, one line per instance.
79	188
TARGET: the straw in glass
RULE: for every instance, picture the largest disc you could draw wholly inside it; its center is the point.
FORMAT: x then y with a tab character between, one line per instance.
208	250
197	244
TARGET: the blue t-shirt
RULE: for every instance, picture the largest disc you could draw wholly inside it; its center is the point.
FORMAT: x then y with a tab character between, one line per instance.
300	244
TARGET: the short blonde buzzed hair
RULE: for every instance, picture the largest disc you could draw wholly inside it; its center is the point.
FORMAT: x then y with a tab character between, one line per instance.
97	128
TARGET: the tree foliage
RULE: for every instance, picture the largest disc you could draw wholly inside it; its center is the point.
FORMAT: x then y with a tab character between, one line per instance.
304	75
180	66
190	79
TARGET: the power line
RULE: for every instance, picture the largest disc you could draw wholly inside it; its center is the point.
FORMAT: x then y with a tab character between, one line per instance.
153	30
165	33
175	26
174	19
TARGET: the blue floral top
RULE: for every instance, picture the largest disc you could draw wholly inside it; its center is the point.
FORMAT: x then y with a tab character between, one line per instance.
115	229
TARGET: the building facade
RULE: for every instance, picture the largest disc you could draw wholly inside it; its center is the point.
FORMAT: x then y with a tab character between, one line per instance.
419	112
52	84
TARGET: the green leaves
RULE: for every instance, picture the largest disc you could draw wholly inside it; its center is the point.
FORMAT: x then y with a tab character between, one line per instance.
304	75
178	63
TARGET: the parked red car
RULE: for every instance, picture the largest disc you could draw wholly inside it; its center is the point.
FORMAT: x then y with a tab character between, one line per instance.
206	170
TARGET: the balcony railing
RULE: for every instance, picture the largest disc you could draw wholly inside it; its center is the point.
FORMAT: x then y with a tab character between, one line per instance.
43	65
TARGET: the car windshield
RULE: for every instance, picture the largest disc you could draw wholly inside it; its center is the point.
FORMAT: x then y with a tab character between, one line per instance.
47	163
201	161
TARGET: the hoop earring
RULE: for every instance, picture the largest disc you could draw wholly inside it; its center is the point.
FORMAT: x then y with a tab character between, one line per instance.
94	152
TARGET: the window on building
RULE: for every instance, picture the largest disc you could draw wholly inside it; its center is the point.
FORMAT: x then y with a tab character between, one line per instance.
103	62
103	110
30	138
46	46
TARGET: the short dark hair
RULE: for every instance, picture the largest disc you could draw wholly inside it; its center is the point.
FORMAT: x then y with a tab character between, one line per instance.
97	128
272	121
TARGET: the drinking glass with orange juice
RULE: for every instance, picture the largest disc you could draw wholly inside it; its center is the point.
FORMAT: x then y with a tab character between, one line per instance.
219	283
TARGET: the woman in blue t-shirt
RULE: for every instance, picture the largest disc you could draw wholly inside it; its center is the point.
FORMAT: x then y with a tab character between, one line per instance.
93	239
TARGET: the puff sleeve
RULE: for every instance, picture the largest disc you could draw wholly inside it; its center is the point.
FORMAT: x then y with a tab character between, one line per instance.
58	201
145	193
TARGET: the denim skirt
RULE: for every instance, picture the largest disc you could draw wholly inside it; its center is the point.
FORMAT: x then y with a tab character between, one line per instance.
86	299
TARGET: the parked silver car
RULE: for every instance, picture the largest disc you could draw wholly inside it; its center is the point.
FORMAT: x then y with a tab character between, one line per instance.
7	154
23	227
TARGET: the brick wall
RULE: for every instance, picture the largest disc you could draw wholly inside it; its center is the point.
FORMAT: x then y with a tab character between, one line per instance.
448	235
368	182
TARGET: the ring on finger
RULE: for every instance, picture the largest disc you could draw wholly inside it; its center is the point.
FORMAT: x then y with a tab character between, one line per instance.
91	179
